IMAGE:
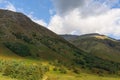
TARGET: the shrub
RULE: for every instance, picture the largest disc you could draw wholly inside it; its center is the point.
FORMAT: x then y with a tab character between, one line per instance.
22	71
55	69
76	70
62	70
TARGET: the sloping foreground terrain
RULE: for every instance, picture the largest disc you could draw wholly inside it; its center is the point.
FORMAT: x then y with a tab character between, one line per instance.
25	46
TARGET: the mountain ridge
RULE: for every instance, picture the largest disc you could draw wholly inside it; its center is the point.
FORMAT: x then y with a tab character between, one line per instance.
86	35
99	45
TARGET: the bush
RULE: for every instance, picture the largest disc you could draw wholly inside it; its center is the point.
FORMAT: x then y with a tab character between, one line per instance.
62	70
76	70
22	71
55	69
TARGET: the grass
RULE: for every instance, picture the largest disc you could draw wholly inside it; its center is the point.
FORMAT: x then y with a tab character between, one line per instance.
82	76
105	48
5	52
56	75
59	76
5	78
51	75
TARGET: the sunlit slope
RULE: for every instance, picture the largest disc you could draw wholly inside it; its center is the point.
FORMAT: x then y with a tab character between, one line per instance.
99	45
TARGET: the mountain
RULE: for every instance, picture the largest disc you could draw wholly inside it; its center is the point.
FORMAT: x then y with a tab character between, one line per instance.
99	45
18	32
21	38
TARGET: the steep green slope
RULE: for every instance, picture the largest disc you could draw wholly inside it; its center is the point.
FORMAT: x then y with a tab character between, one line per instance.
98	45
22	38
17	29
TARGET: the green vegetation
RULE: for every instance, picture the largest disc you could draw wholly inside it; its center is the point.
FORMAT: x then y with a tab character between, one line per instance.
6	77
82	76
21	70
26	40
23	37
32	70
18	48
99	45
91	62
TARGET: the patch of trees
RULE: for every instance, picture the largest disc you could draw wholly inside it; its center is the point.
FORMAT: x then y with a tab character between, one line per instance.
23	37
91	62
51	43
18	48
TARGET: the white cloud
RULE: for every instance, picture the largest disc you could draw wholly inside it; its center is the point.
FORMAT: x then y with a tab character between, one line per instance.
38	21
10	6
7	5
92	17
107	23
64	6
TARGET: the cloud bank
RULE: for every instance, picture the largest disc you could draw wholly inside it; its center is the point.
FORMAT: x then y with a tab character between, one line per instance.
86	16
64	6
35	19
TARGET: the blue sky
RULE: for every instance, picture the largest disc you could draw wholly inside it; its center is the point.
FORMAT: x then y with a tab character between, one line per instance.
38	8
71	16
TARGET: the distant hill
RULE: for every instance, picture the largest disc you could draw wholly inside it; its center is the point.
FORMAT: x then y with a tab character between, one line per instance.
21	37
99	45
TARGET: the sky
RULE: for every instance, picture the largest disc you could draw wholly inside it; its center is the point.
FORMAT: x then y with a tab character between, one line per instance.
71	16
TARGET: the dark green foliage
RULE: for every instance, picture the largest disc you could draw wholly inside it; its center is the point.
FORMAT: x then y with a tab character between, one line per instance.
18	48
1	34
23	37
34	34
55	69
50	43
104	53
60	69
83	59
76	70
22	71
91	62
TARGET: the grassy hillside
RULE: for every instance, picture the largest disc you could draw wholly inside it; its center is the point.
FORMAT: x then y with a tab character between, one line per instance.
82	76
99	45
30	44
25	38
53	73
